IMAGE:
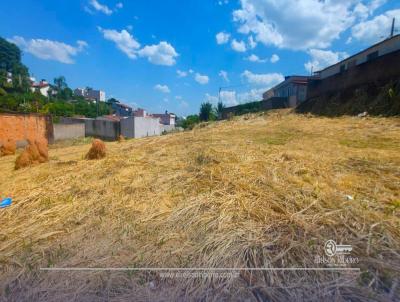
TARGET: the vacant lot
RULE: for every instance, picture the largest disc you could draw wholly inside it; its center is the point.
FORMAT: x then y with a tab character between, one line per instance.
256	191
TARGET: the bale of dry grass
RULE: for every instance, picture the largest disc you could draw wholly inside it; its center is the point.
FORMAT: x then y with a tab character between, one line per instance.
43	150
8	148
121	138
97	150
35	152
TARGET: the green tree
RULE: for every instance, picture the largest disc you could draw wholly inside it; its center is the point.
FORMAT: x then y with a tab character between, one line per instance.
10	61
60	83
66	94
189	122
219	109
206	112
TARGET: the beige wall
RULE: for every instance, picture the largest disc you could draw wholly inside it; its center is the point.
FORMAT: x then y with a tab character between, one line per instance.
68	131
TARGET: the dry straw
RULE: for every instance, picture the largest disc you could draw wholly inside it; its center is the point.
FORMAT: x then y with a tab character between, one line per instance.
97	150
256	191
8	148
34	153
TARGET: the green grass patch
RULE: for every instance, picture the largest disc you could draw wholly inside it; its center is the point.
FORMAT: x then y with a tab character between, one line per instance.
373	142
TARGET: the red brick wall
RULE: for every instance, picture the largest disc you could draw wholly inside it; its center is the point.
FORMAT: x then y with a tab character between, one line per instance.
20	127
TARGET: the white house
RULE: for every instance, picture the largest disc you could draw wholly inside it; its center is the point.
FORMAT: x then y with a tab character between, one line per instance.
43	87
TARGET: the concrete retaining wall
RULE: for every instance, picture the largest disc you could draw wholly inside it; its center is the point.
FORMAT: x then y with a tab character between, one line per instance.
167	128
68	131
20	127
128	127
106	130
264	105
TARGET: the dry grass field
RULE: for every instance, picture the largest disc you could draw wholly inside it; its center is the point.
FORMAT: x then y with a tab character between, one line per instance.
263	190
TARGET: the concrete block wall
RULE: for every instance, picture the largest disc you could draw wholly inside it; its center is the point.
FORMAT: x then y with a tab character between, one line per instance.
167	128
128	127
68	131
106	130
146	126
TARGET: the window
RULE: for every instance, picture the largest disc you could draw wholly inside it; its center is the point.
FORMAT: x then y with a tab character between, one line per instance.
342	67
372	55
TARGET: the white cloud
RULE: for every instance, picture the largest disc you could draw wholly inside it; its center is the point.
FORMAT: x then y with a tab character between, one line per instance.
181	74
274	58
160	54
50	50
364	10
100	7
267	79
232	98
211	98
178	97
162	88
119	5
297	24
255	58
191	70
238	46
252	43
374	30
201	79
222	37
323	58
223	74
228	97
251	95
123	39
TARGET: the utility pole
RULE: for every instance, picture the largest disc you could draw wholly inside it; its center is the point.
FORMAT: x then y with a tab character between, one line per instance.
392	31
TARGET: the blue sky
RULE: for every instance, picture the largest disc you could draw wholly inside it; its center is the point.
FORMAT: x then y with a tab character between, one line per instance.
173	55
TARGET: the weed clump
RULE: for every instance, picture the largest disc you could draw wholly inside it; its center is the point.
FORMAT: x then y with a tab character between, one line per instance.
97	151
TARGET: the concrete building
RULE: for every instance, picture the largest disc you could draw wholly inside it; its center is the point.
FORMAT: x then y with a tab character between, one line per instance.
166	118
140	112
293	89
382	48
120	109
91	94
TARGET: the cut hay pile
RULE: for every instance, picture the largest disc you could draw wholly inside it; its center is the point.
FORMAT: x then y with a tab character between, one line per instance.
121	138
34	153
97	150
8	148
260	191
